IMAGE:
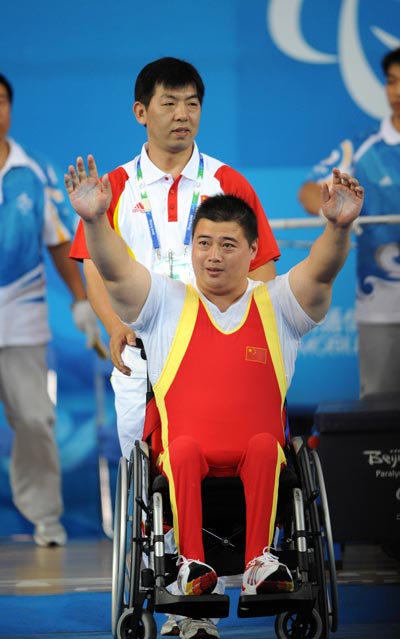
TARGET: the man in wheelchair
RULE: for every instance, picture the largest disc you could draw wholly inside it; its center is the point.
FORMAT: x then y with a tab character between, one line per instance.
221	356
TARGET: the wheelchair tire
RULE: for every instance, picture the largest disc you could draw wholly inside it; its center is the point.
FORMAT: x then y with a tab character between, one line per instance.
310	491
137	492
333	599
119	545
146	627
294	625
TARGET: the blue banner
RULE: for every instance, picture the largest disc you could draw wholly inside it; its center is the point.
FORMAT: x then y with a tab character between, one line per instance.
286	80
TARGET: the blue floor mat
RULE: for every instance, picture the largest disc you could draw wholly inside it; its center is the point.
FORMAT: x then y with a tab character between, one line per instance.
89	614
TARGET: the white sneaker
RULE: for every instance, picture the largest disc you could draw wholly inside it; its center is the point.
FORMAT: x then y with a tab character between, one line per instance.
265	574
50	533
195	577
170	628
190	628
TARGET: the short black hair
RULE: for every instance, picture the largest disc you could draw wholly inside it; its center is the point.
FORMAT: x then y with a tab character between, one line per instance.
228	208
393	57
169	72
9	89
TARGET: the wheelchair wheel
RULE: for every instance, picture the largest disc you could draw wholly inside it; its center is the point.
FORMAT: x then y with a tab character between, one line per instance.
146	627
294	625
137	500
119	545
333	602
316	558
128	545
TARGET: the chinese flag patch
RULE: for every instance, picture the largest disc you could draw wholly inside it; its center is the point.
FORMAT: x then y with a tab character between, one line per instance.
256	354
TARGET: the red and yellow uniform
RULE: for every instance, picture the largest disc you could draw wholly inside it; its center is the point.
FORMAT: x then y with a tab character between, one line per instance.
237	422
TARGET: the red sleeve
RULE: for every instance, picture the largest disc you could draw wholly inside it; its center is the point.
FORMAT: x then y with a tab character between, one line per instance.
234	183
117	178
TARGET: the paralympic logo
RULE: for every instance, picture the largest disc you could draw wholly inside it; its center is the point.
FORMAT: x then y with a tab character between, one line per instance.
365	89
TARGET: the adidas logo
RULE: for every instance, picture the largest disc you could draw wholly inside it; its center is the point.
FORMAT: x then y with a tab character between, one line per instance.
138	208
386	181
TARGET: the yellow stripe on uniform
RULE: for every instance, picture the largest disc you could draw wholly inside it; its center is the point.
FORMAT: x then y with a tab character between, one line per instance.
268	318
281	460
180	343
267	314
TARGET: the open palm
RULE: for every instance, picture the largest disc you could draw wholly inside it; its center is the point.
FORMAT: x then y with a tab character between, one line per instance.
342	203
89	196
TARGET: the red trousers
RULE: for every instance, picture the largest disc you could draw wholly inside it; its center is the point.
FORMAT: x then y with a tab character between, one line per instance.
258	467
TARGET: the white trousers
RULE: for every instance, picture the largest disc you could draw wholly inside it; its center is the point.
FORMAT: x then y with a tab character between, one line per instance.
130	399
35	475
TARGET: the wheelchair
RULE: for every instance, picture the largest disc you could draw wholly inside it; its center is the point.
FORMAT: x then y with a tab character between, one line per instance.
142	570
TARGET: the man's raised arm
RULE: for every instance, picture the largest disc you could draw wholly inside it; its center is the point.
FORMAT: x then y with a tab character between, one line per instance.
127	282
312	279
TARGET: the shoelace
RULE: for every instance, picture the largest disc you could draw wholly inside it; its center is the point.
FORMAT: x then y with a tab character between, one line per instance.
268	556
181	560
266	551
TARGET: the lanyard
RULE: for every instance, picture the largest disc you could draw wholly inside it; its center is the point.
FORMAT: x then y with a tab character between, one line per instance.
147	206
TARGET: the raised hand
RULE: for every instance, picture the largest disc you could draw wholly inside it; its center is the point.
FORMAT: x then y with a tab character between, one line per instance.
342	203
89	196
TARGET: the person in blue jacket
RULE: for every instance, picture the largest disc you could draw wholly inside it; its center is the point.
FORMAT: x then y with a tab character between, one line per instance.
34	214
374	159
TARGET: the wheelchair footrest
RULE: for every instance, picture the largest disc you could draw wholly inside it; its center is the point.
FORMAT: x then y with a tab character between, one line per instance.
194	606
301	599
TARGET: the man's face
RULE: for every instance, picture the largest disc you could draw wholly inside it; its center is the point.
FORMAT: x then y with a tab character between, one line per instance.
393	88
172	117
221	257
5	112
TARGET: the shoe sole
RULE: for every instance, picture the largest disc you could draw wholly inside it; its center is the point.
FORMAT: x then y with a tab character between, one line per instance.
203	634
271	587
48	544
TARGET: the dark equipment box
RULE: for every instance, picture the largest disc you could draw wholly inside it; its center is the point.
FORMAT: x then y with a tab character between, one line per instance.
360	456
